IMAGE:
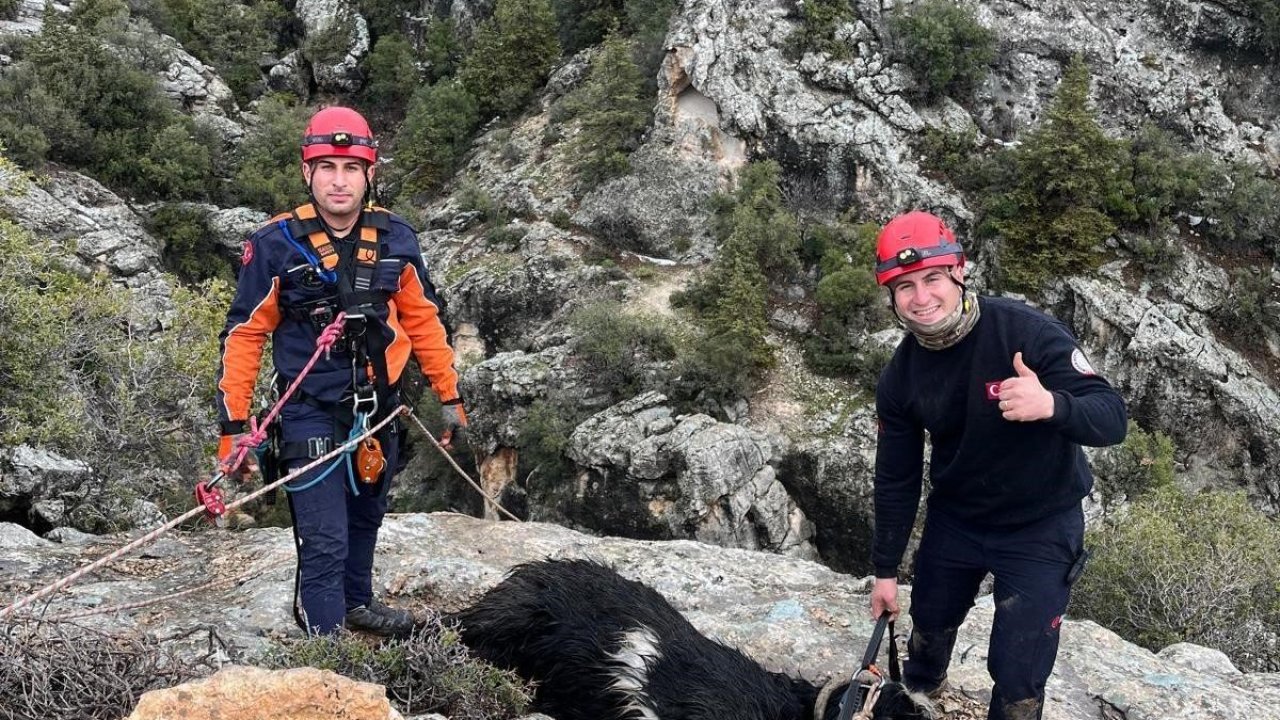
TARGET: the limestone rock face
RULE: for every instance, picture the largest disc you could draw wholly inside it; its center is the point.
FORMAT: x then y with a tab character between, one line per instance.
652	474
839	128
792	615
1179	379
94	223
245	693
324	22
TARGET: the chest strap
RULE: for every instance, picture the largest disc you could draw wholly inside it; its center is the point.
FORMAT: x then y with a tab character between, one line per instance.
305	222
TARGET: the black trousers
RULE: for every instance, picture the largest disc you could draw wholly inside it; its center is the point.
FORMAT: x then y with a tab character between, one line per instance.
1030	564
335	522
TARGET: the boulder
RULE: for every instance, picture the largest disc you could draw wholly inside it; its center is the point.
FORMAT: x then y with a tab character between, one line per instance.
342	33
648	473
245	693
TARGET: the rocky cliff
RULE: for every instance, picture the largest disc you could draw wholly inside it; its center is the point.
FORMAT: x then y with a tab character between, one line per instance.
792	615
788	468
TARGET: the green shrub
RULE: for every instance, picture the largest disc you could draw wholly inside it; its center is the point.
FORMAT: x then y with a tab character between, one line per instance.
180	161
1181	567
430	671
646	24
759	241
612	107
437	131
1244	313
230	35
387	17
268	175
1068	181
9	9
392	77
441	52
1242	209
951	155
1166	178
473	197
945	46
756	218
1268	14
79	375
543	437
849	301
190	251
817	34
71	100
734	351
1144	462
583	23
619	351
513	52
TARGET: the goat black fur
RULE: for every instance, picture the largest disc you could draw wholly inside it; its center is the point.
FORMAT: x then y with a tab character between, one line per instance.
601	647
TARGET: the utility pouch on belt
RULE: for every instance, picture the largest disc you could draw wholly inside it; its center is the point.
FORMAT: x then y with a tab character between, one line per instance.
370	462
1077	568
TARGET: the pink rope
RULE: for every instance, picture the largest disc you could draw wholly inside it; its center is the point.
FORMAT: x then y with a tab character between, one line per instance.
257	432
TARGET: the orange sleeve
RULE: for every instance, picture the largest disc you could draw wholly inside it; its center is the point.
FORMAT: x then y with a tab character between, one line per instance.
242	344
420	320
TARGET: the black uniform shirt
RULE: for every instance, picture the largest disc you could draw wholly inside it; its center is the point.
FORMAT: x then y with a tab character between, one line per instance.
985	469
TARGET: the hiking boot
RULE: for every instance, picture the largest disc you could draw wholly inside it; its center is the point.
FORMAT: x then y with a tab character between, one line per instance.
378	619
398	614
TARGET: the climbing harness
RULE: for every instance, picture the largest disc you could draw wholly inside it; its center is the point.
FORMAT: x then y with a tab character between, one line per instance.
207	493
860	698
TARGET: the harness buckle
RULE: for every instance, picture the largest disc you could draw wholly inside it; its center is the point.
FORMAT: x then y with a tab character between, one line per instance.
355	325
319	447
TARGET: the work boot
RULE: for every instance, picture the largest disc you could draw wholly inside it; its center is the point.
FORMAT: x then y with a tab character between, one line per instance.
398	614
378	619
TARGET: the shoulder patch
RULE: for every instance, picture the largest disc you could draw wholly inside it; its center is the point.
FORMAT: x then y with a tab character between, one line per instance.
1081	363
246	253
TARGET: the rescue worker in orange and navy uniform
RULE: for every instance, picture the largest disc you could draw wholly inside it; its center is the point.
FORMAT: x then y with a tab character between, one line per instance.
337	253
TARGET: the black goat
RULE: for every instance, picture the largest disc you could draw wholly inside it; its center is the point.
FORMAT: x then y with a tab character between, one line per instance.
601	647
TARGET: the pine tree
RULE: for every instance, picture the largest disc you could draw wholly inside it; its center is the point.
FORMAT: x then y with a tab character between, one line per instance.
437	131
613	110
513	52
1071	183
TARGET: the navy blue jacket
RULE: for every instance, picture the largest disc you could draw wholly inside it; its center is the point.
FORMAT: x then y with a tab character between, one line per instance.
984	469
273	279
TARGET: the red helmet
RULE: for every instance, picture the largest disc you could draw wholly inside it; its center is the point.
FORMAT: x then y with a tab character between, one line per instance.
912	242
340	132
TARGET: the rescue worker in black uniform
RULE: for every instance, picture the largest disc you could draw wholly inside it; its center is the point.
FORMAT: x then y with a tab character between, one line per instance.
336	254
1006	398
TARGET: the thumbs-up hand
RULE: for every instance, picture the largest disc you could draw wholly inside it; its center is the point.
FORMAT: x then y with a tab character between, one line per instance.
1022	397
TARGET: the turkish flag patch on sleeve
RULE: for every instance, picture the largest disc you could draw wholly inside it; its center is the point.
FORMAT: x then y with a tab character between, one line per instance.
246	253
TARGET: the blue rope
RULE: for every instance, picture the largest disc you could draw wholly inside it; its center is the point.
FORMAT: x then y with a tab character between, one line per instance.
329	276
357	429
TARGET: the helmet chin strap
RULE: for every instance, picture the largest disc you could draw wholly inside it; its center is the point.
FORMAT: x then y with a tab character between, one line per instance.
949	330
